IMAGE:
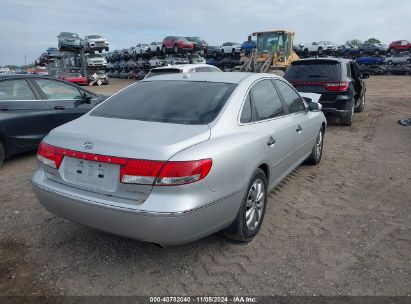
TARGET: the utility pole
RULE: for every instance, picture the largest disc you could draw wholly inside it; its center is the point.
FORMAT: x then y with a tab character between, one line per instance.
25	61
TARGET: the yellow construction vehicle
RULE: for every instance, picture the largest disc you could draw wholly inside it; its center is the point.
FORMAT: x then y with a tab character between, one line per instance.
273	54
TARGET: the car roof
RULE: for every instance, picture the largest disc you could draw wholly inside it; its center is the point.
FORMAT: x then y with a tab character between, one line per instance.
185	67
226	77
341	60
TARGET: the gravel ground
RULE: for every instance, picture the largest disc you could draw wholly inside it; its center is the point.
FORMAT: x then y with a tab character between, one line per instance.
343	227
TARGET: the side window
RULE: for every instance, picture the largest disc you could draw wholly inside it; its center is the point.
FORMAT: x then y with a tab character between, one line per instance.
267	103
58	90
17	89
246	114
291	98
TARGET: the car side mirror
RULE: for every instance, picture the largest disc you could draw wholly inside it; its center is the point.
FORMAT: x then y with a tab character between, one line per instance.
314	106
365	75
87	99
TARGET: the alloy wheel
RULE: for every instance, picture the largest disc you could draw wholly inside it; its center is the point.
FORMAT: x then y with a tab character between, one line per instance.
255	204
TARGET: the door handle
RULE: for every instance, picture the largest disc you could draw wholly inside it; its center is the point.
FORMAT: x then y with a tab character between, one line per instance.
271	142
299	128
59	108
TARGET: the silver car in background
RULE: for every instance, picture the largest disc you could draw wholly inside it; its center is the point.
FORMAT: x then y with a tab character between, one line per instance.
177	157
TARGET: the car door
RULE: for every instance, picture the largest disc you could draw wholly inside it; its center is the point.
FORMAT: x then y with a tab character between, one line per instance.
65	100
304	127
275	129
24	119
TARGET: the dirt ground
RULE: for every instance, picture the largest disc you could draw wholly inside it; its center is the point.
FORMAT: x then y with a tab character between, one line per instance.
340	228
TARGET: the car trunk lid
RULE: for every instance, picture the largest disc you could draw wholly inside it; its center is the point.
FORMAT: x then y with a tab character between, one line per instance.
95	148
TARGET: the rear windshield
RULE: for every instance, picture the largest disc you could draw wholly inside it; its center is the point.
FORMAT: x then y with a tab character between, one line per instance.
312	70
162	72
180	102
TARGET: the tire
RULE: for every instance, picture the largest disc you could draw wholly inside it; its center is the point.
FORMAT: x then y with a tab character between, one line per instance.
2	154
252	208
361	105
408	61
175	49
215	54
233	52
392	50
390	62
348	118
376	52
320	51
317	152
222	52
163	49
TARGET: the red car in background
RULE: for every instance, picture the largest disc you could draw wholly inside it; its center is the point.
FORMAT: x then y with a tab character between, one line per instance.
177	44
399	46
75	78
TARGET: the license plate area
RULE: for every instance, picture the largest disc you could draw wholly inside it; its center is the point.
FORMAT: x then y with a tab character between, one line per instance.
90	174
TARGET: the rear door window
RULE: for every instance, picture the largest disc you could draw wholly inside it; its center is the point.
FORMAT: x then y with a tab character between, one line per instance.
58	90
290	97
266	101
313	70
173	101
16	89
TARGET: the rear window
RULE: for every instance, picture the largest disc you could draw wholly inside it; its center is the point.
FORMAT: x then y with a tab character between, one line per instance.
312	70
162	72
180	102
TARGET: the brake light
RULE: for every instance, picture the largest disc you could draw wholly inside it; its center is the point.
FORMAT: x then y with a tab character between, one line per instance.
139	171
134	171
336	86
49	155
183	172
330	86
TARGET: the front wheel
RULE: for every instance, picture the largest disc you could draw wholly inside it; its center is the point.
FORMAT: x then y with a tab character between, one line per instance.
317	151
251	214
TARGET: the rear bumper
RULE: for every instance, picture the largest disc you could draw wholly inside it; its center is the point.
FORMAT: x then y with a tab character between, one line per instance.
161	228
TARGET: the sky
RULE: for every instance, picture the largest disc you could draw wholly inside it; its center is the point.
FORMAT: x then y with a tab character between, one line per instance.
29	27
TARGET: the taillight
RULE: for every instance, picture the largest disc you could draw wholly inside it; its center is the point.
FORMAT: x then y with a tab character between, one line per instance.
138	171
134	171
336	86
183	172
330	86
49	155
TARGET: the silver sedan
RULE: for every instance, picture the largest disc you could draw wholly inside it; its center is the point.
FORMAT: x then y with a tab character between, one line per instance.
177	157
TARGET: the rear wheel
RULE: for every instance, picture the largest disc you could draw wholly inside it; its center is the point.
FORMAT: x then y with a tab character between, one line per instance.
1	154
348	118
176	49
390	62
320	51
361	105
317	152
251	214
163	49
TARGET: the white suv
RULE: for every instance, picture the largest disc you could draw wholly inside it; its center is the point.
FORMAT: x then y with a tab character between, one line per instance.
93	43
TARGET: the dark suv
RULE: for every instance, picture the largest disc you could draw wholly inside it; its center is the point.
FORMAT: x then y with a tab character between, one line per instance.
337	80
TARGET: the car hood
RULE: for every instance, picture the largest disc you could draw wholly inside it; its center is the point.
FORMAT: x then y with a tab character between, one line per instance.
128	138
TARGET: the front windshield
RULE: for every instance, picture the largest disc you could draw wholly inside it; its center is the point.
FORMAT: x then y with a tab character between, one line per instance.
273	42
94	37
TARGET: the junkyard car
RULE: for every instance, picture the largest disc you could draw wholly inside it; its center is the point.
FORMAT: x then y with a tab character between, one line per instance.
211	146
95	43
230	48
397	59
95	60
337	80
69	41
30	106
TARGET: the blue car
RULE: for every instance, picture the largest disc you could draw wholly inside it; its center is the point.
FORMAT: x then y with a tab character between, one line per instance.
370	60
248	46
